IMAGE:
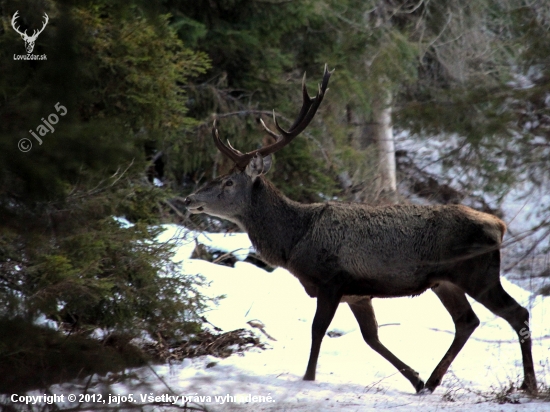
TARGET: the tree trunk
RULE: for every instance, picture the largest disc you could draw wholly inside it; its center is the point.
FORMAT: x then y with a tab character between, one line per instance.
381	113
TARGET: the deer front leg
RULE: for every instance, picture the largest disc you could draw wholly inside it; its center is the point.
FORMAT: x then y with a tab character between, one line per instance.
327	303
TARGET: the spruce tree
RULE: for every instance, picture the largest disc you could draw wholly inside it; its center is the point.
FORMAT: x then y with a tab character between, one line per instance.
114	77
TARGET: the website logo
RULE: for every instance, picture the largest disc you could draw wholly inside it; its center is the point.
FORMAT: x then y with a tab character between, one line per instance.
29	40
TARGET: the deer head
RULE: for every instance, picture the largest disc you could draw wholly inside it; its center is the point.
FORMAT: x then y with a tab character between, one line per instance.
29	40
228	195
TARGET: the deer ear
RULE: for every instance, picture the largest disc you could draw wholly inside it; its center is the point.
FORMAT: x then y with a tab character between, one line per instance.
267	164
255	167
258	165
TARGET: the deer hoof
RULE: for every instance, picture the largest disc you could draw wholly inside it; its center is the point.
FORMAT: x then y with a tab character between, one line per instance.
424	391
419	386
529	387
309	377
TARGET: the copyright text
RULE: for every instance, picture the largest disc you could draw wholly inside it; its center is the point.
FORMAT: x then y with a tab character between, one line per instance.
140	399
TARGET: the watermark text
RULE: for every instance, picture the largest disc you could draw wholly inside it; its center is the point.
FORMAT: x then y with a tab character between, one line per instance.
25	144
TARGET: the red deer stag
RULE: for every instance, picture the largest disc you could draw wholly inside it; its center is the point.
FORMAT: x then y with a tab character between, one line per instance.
351	252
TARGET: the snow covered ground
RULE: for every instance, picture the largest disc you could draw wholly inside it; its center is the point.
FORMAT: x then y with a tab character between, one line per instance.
350	376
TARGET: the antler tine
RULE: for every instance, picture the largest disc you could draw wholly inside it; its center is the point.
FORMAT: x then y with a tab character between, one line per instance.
270	132
230	152
306	105
232	148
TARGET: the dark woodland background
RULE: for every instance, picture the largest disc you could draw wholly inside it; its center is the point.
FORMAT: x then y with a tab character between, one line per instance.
142	82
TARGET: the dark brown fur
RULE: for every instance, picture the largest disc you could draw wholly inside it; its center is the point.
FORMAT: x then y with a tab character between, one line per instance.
349	252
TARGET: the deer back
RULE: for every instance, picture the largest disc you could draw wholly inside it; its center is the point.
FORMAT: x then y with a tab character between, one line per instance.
397	250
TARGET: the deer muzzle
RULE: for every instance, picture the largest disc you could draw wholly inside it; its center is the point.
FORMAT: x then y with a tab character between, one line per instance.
193	205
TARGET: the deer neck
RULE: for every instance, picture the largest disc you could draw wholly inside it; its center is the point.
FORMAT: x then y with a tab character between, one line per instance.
274	223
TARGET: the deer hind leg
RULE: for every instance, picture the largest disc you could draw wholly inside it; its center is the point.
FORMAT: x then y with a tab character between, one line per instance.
502	304
487	290
465	320
364	313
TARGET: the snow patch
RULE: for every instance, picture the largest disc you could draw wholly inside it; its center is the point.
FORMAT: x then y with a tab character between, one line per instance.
350	375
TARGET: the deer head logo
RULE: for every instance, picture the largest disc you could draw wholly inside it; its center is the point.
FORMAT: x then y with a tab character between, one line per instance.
29	40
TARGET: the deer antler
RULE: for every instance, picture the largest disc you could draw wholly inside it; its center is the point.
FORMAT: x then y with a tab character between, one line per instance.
24	34
307	112
14	18
35	33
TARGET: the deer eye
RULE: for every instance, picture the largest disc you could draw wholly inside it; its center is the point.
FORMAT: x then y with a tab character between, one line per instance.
229	183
